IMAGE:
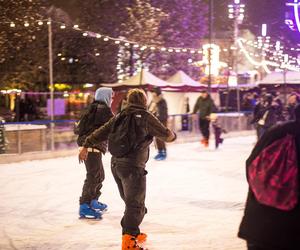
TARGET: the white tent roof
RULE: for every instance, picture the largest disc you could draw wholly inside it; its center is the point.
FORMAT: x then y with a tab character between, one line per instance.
140	79
181	79
278	78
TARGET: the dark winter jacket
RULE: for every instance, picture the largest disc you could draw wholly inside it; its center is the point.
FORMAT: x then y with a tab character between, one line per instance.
291	112
149	127
161	110
267	226
205	106
271	114
102	115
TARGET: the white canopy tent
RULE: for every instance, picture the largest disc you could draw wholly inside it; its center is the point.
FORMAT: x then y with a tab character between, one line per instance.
185	87
175	90
143	78
278	78
181	79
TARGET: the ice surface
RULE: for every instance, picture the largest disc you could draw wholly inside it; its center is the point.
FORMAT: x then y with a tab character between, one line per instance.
194	199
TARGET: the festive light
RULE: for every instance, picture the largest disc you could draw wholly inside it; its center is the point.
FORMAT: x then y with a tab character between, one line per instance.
76	26
214	55
85	34
40	23
295	6
264	30
63	26
12	25
26	24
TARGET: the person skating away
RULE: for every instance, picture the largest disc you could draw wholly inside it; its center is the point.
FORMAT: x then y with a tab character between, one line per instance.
159	108
218	130
135	127
271	218
204	107
96	115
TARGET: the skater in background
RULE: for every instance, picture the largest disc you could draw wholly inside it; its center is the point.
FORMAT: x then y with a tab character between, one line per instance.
292	102
266	114
96	115
218	130
265	226
159	108
138	127
204	107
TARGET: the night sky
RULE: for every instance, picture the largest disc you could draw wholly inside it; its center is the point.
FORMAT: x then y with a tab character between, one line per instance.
271	12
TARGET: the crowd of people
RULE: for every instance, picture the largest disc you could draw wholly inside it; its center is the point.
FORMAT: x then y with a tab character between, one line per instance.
270	110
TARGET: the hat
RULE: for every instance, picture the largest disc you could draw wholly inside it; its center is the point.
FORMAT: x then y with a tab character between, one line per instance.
156	90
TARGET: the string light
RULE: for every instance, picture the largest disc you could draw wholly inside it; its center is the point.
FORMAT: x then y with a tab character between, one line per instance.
264	46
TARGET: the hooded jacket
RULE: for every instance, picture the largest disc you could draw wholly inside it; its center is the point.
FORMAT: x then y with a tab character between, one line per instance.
102	113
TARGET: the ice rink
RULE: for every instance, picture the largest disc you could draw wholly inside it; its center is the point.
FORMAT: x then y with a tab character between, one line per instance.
195	202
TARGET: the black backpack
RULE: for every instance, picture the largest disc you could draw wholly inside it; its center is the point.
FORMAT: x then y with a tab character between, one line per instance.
122	139
86	122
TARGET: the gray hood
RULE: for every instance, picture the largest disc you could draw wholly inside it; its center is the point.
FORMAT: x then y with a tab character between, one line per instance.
104	95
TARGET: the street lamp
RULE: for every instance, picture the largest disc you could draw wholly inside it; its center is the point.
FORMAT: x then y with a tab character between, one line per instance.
236	11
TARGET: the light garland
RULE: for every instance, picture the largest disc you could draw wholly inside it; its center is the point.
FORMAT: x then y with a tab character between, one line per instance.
285	64
260	44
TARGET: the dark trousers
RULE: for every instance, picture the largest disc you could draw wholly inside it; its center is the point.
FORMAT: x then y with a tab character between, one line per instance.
204	128
161	145
253	246
260	131
94	178
131	183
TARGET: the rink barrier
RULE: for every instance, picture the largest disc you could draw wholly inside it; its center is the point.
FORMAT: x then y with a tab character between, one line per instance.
34	136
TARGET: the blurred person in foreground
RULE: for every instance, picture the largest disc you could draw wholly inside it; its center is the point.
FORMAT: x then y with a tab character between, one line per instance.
96	115
129	135
271	218
204	106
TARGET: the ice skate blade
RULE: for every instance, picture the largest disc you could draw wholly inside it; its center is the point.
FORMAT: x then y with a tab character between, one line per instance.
101	211
82	217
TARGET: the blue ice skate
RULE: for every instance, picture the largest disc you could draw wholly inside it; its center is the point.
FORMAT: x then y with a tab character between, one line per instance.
98	206
86	212
162	155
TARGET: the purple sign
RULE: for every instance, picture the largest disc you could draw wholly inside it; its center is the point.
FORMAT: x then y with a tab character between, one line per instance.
59	106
